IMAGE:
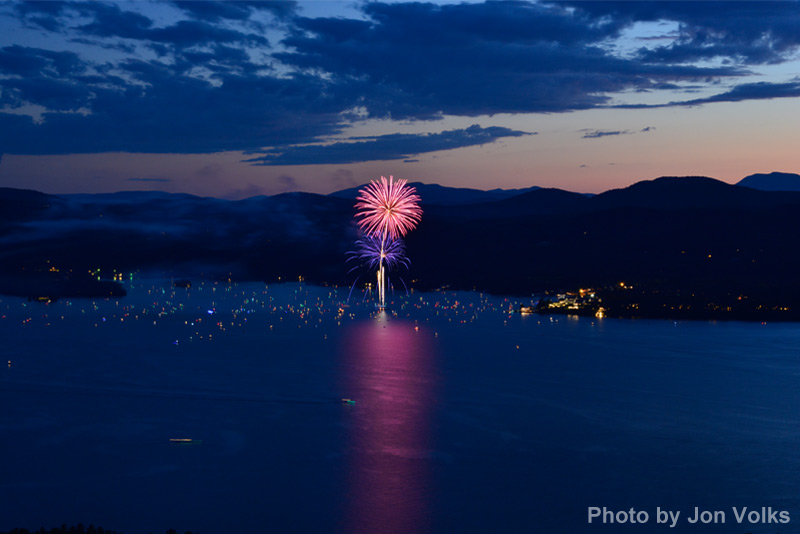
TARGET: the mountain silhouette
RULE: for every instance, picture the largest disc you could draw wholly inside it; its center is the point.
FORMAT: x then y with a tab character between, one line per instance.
673	238
774	181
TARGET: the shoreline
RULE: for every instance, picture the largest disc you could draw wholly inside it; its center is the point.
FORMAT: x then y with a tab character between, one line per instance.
612	304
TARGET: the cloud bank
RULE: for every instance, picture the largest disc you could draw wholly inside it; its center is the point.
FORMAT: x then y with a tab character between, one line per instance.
202	77
386	147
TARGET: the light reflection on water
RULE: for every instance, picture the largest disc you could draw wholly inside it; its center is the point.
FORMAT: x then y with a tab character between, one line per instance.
388	368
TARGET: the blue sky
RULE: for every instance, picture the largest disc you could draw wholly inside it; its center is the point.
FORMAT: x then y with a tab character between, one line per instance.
233	99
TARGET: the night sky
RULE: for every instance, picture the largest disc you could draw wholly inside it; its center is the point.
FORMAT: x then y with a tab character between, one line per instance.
235	99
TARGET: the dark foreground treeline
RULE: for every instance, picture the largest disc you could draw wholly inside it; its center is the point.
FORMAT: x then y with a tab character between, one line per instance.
683	243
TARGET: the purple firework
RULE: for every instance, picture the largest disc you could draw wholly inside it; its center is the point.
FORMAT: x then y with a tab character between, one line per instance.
368	252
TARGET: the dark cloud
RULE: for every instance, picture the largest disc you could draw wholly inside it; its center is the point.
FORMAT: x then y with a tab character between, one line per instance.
52	93
33	62
187	33
109	45
742	92
473	59
220	54
385	147
215	11
595	134
35	7
217	84
219	60
111	21
108	20
167	112
750	91
46	15
694	51
748	31
54	80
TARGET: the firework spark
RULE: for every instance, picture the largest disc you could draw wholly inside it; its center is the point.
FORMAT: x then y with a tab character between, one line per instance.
388	209
370	250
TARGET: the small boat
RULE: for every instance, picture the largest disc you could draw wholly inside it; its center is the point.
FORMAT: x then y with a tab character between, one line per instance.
185	440
348	401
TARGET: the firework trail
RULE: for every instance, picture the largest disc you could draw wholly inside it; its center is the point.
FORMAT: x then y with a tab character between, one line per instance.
388	209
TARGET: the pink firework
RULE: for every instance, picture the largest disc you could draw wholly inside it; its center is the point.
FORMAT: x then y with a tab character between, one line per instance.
388	208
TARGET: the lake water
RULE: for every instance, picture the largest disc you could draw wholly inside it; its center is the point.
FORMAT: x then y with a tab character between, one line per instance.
467	418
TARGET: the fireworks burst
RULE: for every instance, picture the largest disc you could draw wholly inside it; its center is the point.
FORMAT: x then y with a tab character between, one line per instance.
370	251
388	209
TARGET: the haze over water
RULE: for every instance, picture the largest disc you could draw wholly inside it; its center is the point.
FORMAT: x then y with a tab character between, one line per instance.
467	418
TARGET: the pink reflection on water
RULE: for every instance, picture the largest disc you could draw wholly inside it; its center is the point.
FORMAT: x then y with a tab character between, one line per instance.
388	370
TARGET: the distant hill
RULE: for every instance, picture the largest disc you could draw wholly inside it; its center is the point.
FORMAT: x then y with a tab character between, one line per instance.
666	193
21	204
447	196
671	193
774	181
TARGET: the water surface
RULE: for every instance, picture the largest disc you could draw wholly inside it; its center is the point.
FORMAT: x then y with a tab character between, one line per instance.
468	418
